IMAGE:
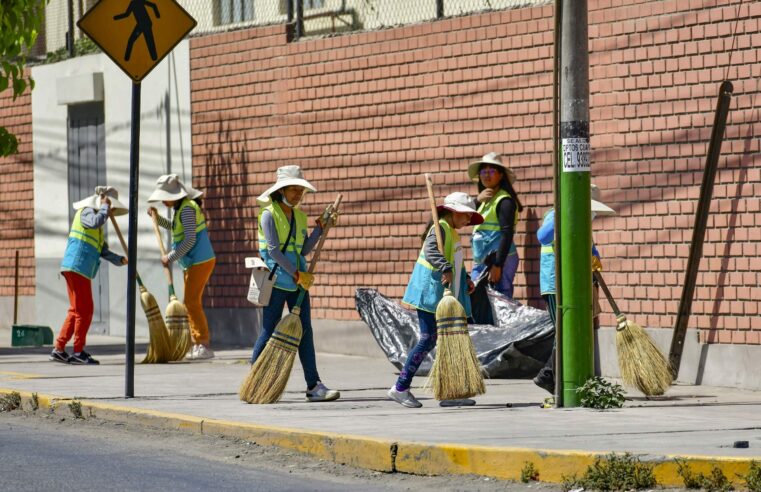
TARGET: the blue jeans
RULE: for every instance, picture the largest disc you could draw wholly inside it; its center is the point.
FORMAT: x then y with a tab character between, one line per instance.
271	316
505	284
426	343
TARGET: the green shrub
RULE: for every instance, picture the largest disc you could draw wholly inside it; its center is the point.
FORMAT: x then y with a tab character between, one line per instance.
753	477
715	482
600	394
76	409
10	402
529	472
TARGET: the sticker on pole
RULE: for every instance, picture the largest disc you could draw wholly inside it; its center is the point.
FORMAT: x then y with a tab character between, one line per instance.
575	155
137	34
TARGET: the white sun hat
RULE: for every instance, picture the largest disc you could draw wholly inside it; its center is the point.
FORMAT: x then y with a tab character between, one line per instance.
169	188
192	192
286	176
93	201
493	159
598	207
461	202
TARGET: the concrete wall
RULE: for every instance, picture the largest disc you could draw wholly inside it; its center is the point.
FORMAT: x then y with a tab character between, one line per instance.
164	147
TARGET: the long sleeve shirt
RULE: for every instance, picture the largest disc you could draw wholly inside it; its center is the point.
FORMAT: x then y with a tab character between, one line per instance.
95	220
273	243
546	233
432	253
188	219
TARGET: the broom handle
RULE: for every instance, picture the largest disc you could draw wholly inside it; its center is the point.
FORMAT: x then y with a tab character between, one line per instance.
163	252
603	285
124	244
434	212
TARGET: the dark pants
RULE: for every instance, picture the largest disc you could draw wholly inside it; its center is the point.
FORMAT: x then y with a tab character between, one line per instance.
271	316
418	354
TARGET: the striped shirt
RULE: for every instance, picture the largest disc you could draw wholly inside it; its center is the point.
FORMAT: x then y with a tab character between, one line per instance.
188	219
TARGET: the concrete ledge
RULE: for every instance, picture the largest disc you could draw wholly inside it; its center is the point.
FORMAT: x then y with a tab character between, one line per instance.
387	455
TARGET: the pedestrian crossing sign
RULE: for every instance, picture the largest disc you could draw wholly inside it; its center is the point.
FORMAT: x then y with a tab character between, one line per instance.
136	34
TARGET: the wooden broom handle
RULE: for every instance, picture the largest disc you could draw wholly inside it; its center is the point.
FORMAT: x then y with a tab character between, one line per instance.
434	212
604	287
316	255
124	244
168	272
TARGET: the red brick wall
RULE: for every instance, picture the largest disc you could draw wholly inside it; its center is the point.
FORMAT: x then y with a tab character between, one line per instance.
367	114
17	197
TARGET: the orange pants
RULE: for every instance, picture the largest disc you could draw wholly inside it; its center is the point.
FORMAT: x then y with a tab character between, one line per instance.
196	278
80	313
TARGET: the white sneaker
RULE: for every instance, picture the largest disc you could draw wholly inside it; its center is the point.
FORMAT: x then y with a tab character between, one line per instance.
202	352
191	355
405	398
322	393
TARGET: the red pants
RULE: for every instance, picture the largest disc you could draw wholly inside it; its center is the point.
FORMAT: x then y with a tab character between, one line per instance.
80	312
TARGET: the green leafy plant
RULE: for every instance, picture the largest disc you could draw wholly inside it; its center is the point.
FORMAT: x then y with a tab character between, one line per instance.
76	409
529	472
10	402
600	394
753	477
613	472
569	482
82	46
35	402
715	482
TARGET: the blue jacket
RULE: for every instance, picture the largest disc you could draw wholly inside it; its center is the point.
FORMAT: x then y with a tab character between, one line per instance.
546	237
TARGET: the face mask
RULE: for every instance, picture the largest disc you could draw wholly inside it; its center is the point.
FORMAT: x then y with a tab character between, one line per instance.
286	202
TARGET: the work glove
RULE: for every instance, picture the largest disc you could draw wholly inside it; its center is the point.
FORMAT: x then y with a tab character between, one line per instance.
328	219
304	280
596	265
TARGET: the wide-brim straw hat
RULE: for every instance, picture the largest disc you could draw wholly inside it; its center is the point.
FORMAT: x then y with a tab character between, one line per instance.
598	207
169	188
192	192
461	202
286	176
493	159
93	201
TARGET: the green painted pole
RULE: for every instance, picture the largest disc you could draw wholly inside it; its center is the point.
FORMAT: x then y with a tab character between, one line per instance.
575	215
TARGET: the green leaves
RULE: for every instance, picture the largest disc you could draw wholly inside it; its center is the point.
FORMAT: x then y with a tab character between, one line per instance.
600	394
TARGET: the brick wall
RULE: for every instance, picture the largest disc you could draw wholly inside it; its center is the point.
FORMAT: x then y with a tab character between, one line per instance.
367	114
17	197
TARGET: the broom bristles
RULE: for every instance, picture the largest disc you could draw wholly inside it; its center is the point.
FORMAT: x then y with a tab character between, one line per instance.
456	371
642	364
179	328
269	375
159	347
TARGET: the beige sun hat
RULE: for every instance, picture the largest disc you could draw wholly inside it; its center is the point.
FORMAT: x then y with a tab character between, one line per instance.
461	202
598	207
494	159
286	176
192	192
169	188
93	201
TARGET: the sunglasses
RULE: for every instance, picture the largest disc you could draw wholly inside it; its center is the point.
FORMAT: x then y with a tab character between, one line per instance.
487	172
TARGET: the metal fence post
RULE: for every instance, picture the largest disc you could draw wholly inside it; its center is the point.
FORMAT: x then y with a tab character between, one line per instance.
70	36
439	9
299	18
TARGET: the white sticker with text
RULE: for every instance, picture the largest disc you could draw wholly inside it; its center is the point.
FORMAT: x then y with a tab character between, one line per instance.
575	155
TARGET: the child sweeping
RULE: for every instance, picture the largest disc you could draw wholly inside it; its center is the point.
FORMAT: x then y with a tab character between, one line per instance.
81	261
283	245
192	250
426	286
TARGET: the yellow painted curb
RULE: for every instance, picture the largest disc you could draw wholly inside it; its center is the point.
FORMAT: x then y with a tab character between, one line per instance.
390	456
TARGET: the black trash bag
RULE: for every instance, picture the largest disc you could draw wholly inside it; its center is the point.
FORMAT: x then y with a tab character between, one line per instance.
518	347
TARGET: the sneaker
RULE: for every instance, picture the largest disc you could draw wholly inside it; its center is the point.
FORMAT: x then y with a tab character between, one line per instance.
405	398
82	358
202	352
462	402
320	392
546	383
59	356
191	355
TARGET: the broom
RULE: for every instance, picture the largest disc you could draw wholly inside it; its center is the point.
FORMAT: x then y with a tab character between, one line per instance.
159	348
269	375
176	314
642	365
456	372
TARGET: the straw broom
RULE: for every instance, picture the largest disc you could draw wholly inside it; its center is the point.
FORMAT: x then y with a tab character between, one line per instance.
642	365
269	375
159	347
456	372
176	314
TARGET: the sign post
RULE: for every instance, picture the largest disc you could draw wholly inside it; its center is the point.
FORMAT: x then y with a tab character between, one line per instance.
136	35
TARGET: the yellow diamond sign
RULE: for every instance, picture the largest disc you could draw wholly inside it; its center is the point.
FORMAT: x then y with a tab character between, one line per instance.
137	34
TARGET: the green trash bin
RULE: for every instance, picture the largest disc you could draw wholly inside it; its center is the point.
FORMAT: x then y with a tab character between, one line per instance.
31	336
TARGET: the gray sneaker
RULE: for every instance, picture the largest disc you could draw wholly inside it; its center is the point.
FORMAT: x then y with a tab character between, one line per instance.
320	392
404	398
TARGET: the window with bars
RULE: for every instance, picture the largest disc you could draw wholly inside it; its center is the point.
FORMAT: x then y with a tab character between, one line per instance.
308	4
234	11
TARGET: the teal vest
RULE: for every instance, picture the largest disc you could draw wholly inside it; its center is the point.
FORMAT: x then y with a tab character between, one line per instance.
487	235
424	290
201	251
295	245
83	249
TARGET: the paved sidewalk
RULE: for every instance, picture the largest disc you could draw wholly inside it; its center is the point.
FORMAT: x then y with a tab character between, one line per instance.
490	438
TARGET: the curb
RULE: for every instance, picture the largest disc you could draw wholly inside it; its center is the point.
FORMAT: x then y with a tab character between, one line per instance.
387	455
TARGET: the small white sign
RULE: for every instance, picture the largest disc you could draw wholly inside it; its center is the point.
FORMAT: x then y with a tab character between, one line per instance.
575	155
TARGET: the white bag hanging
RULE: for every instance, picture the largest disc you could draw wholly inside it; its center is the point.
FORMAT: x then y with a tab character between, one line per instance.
261	283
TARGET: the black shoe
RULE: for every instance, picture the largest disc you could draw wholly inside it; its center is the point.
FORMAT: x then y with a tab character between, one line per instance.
61	356
82	358
545	383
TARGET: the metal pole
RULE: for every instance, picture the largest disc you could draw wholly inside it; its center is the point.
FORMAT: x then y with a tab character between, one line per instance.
575	214
699	229
299	18
557	165
15	293
134	164
70	37
439	9
289	4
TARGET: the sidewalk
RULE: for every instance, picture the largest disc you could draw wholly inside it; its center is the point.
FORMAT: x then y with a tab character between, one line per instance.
364	428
